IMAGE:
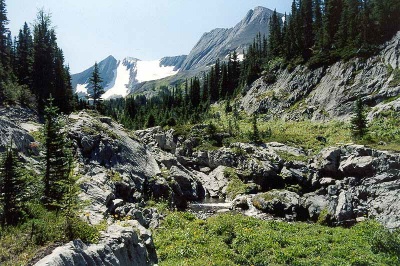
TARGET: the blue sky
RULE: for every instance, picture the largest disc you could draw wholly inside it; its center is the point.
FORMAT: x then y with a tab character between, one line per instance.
90	30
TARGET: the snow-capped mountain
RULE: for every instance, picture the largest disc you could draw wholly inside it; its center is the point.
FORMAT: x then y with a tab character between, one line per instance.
119	76
131	75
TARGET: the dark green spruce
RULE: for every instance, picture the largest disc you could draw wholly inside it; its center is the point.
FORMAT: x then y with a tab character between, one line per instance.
12	187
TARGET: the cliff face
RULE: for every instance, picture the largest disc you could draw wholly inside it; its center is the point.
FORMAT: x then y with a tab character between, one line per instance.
330	92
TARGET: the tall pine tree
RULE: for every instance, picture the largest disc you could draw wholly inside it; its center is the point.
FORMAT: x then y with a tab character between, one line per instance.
57	157
44	46
24	56
95	82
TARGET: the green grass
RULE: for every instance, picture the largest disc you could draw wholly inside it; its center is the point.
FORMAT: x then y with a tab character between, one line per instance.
384	132
42	228
231	239
300	134
304	134
291	157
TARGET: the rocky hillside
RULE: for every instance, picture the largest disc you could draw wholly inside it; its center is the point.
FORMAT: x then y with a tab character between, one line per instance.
329	92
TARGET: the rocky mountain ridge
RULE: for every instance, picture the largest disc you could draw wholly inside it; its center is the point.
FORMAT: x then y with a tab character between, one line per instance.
218	43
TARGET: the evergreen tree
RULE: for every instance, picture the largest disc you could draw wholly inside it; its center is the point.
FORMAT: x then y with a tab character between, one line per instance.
24	56
151	121
255	135
70	203
12	187
96	87
223	82
306	20
348	35
3	41
71	100
318	25
44	47
274	36
205	92
195	92
359	120
234	70
291	40
332	17
57	157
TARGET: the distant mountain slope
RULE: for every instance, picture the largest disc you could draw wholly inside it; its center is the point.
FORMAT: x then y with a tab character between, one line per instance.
106	67
218	43
120	76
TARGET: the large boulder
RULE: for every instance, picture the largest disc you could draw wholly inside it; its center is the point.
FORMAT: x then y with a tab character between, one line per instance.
166	140
191	189
277	202
10	132
344	213
110	146
263	173
223	156
215	183
358	166
126	244
314	204
327	162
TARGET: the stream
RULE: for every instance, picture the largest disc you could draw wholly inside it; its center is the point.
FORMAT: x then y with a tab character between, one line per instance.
209	205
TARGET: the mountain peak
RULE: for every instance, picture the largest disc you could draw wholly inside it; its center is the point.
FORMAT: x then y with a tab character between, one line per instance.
262	9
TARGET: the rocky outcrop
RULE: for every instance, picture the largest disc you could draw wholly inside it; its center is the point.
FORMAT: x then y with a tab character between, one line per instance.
12	121
114	169
125	244
328	92
340	185
364	179
277	202
215	183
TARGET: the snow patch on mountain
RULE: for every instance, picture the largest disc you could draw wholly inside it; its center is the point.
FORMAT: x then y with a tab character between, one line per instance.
153	70
119	86
82	89
120	76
